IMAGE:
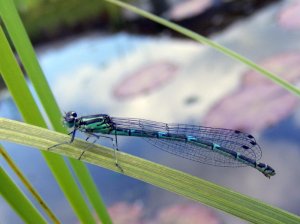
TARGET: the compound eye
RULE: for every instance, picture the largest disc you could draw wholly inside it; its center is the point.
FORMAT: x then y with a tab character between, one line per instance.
74	114
70	117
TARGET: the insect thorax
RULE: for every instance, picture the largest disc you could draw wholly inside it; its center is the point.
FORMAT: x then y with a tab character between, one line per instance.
100	124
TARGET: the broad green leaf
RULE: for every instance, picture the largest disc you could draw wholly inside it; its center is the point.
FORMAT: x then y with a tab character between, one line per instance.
189	186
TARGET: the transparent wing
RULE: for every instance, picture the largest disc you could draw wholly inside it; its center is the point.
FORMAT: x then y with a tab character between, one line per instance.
237	141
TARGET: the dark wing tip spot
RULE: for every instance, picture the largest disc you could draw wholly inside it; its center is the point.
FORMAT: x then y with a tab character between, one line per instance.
253	143
245	147
237	132
250	136
261	165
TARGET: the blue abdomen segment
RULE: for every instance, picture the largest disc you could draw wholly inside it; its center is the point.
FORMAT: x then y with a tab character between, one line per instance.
199	148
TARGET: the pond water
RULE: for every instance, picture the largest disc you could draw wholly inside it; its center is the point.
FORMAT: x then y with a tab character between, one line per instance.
173	80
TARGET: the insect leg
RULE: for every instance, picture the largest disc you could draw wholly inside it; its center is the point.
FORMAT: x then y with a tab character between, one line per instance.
116	148
63	143
97	137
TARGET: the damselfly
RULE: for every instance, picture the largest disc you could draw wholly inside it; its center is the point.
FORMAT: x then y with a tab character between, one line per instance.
214	146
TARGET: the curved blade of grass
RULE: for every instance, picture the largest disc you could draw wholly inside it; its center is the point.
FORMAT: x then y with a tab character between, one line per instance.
186	32
28	185
18	200
27	55
234	203
15	82
91	191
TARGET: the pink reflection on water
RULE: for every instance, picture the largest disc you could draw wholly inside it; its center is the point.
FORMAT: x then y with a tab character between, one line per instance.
188	8
146	79
290	17
122	213
188	213
258	102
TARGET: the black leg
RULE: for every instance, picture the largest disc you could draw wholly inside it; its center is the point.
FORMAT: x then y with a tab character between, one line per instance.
97	137
83	151
116	148
73	135
63	143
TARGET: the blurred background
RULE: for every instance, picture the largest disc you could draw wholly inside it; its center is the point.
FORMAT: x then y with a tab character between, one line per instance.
98	58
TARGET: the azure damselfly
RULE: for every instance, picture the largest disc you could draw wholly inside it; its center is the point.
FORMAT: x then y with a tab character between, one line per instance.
214	146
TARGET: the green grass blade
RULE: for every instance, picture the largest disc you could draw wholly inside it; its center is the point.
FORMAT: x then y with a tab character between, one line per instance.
234	203
27	55
186	32
21	42
15	82
13	78
18	201
11	73
28	185
92	193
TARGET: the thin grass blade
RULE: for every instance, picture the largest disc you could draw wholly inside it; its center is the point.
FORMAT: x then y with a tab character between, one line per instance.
15	82
186	32
28	185
18	201
28	58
